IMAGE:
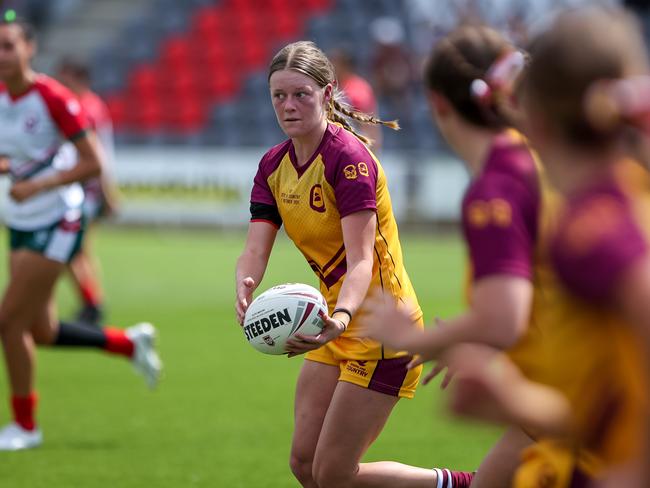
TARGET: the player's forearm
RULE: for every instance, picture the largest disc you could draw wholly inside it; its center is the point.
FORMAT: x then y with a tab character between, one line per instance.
251	264
542	409
355	286
496	330
83	171
469	327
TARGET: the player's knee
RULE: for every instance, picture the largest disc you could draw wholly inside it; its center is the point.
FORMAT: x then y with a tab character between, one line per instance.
43	336
301	468
9	329
328	475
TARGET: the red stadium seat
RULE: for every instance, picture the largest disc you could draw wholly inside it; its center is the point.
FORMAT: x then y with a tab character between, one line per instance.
226	41
185	117
145	115
176	53
219	85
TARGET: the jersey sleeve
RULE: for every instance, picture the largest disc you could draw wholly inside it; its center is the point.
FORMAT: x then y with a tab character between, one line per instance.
263	205
66	111
500	225
354	180
595	246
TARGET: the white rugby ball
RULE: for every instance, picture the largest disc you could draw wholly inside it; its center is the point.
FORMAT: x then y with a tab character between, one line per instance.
278	313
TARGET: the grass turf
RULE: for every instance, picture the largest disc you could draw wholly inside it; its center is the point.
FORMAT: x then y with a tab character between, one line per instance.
222	416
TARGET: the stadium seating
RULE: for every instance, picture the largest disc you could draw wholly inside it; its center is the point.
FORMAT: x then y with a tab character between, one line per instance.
195	72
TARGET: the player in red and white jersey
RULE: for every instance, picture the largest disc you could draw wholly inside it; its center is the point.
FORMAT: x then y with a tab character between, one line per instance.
100	192
358	93
44	216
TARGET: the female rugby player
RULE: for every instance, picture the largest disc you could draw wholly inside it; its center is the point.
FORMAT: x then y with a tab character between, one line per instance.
37	117
330	193
581	96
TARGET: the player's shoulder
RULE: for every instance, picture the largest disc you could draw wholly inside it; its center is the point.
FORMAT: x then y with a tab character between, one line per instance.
597	239
344	147
509	170
49	88
599	215
56	95
273	157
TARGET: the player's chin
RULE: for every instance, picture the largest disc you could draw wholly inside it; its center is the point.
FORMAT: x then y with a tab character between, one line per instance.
293	129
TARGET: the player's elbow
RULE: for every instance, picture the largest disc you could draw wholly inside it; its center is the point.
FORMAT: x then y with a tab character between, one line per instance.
92	167
507	330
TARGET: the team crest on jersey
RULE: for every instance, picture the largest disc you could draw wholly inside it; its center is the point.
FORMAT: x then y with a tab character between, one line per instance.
363	169
350	172
31	123
497	212
316	200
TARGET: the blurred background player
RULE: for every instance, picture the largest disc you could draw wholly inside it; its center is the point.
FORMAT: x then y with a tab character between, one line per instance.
358	93
331	194
580	95
506	214
45	221
100	193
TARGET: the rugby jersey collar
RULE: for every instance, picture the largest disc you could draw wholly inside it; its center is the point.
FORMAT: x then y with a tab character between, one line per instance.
294	160
15	97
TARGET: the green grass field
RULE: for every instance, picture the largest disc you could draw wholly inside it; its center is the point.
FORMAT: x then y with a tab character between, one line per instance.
222	416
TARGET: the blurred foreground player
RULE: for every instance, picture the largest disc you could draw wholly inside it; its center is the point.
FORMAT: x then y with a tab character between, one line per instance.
331	194
506	215
44	216
581	95
100	193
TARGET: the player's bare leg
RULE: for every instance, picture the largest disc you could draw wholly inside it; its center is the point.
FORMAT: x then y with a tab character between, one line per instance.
498	467
354	419
25	301
314	390
31	283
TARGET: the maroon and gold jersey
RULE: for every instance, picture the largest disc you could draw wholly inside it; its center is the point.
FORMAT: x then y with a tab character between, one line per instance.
601	236
591	355
341	178
507	215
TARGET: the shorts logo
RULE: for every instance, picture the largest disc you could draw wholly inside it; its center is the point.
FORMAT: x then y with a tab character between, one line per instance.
316	200
363	169
40	237
358	369
350	172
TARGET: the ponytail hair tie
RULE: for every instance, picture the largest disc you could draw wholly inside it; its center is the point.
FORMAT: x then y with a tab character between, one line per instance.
500	78
609	103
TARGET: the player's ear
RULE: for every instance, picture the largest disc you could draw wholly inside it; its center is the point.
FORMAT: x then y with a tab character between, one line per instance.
328	93
440	106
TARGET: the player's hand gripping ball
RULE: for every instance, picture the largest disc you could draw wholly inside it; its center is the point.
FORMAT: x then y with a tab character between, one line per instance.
280	312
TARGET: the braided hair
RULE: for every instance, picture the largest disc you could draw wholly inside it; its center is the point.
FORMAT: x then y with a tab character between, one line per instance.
306	58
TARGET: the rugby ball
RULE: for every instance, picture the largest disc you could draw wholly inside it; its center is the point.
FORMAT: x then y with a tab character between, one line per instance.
280	312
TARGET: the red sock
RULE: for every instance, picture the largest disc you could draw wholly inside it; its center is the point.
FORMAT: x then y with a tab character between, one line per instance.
117	342
90	293
457	479
23	408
